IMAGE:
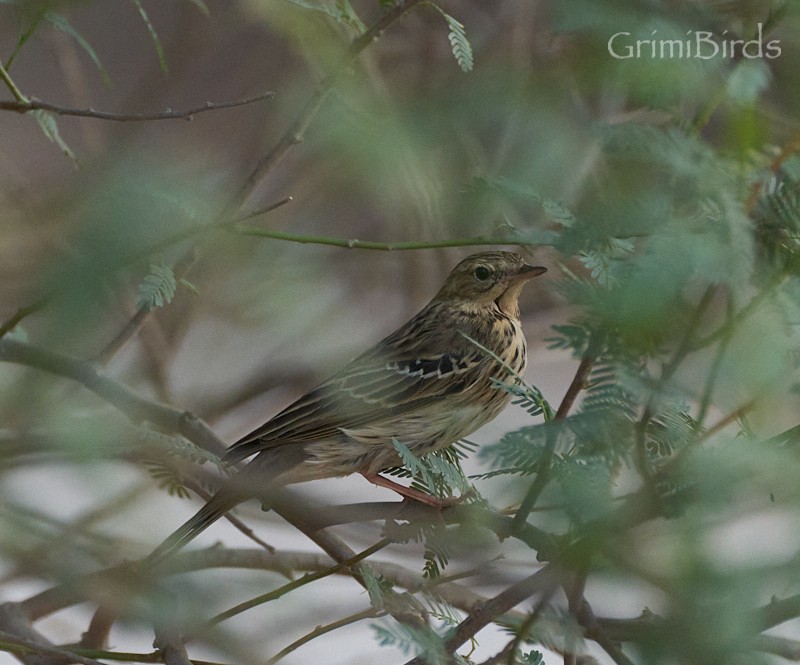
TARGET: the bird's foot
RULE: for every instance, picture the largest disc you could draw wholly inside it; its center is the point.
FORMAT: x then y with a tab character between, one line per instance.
414	494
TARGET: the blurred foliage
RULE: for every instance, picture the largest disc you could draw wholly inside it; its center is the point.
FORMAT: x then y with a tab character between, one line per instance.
667	191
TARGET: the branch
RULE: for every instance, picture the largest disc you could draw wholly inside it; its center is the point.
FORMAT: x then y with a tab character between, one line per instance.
543	472
520	240
292	136
285	563
370	613
544	543
5	78
16	631
485	613
295	133
294	584
12	322
33	104
133	405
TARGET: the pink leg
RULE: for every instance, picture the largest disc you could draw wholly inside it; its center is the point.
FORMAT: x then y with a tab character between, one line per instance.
408	492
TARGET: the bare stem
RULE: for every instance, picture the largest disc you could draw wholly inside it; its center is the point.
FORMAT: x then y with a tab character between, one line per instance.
23	105
520	240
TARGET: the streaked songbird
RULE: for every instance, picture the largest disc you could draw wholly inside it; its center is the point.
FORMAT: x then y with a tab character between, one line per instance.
427	385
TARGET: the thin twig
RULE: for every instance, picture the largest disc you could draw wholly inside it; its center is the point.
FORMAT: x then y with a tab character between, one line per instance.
525	627
716	365
520	240
667	372
295	584
180	268
726	420
482	615
19	315
5	78
33	647
296	131
33	104
543	472
292	136
370	613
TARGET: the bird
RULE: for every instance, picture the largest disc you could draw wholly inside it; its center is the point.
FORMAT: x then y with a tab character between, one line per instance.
432	382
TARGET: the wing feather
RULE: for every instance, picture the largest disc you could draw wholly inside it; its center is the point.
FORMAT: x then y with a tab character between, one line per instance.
407	370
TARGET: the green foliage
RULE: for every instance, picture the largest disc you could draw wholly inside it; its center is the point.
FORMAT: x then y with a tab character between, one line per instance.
377	587
663	195
157	288
168	479
412	641
162	60
49	126
59	21
438	473
168	448
340	11
530	658
462	49
778	218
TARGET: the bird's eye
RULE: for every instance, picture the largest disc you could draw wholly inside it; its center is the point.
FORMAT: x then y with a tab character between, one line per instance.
482	273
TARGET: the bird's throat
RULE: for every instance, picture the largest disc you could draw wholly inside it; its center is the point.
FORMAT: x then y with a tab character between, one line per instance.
508	302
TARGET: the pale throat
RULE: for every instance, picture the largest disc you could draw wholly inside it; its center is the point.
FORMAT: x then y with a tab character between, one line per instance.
508	302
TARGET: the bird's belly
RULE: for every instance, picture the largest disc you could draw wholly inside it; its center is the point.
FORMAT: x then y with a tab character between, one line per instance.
370	449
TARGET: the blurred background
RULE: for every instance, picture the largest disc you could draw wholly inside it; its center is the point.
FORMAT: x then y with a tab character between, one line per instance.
643	165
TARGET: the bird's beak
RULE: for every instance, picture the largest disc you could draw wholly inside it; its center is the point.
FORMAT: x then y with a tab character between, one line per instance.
527	272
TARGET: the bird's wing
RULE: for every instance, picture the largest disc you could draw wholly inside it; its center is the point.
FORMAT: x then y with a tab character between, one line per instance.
399	375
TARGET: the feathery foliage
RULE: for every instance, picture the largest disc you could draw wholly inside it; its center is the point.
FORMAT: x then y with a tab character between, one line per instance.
650	468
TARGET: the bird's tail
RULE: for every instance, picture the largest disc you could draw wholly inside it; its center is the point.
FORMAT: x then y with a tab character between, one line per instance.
219	504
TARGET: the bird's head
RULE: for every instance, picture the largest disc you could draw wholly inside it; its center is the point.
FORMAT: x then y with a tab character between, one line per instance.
489	277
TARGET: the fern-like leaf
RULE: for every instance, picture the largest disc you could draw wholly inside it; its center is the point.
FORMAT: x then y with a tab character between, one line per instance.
414	640
157	288
167	479
462	49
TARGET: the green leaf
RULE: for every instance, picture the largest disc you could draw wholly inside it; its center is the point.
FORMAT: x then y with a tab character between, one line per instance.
157	288
531	658
153	35
61	23
462	49
377	587
49	126
412	640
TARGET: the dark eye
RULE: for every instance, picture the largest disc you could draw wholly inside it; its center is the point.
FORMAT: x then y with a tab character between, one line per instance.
482	273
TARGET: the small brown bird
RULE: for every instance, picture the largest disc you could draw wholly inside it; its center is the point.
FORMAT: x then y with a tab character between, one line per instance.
427	385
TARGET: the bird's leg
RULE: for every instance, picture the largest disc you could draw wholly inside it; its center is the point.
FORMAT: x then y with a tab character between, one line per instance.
409	492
